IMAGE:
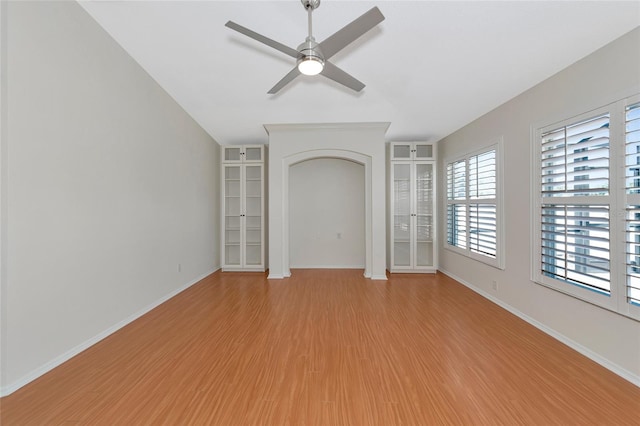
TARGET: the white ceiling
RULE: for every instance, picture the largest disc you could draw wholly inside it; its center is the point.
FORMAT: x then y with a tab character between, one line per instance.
429	67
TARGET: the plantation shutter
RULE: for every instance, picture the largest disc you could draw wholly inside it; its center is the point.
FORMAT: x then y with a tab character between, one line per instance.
575	210
483	213
632	186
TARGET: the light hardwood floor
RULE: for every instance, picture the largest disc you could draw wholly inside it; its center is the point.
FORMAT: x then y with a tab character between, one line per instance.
327	347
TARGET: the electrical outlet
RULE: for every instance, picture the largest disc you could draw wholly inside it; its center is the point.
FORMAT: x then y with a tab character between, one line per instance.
494	285
179	267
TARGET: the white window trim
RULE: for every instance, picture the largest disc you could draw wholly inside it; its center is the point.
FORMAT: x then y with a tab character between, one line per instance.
617	201
499	261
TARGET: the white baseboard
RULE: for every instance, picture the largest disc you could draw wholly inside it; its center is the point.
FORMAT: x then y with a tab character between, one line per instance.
9	389
275	277
326	267
379	277
613	367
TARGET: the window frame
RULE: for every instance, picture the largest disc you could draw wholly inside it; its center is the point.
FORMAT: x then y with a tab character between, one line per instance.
617	200
499	260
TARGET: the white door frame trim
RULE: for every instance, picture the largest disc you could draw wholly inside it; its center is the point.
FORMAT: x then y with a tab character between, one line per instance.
299	157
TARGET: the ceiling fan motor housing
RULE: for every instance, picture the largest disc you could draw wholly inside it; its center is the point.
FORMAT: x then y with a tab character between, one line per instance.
310	50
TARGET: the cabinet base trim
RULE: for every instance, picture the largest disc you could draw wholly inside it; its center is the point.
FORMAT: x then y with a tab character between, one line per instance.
236	269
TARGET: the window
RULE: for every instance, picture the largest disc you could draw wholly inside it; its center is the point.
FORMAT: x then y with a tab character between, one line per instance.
632	189
575	203
583	204
473	222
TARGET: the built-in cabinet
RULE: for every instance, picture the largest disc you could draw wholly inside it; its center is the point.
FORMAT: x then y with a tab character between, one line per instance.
412	207
243	208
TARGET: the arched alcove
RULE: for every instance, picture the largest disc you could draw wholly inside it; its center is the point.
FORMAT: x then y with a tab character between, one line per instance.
359	158
326	211
362	143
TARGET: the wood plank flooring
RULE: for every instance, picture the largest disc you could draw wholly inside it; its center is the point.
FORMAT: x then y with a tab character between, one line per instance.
326	347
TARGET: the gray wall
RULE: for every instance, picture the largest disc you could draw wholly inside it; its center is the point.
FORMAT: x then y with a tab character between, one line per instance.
607	75
107	186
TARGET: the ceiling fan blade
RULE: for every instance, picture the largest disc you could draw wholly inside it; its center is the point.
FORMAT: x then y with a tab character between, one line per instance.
351	32
262	39
285	80
336	74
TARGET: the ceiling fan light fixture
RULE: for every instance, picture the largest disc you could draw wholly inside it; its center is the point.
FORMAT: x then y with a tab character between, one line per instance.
310	55
311	65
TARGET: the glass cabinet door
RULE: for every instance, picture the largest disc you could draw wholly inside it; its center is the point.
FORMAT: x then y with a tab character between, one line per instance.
423	151
424	214
233	153
253	153
401	214
401	151
232	209
253	214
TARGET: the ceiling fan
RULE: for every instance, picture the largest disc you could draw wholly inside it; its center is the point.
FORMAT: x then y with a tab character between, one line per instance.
312	58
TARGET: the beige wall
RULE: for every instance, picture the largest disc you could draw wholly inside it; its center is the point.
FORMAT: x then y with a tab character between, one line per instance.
108	186
607	75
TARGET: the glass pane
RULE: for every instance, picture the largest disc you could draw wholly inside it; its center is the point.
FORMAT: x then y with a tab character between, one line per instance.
482	229
253	222
424	225
254	236
401	189
424	151
424	214
253	154
482	175
232	236
632	130
402	151
424	189
424	253
254	188
456	180
232	172
232	240
232	190
232	206
457	225
232	254
253	206
633	254
401	254
401	225
401	202
575	245
253	172
253	255
232	153
253	191
401	214
575	159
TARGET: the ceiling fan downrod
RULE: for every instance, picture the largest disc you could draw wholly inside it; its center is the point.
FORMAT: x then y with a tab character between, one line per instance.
310	59
310	6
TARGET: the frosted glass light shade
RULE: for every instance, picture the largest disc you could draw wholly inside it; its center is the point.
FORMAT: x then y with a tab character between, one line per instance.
310	66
